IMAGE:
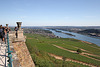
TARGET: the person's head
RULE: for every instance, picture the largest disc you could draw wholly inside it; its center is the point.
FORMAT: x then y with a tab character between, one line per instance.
0	26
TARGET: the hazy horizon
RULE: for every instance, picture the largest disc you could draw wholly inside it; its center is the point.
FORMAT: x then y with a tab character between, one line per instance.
55	26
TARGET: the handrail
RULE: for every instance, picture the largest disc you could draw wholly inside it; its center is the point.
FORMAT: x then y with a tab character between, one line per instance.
9	52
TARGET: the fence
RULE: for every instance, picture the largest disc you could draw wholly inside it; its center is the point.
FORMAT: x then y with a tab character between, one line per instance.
9	52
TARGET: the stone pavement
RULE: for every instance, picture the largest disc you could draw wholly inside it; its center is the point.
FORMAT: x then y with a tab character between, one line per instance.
3	54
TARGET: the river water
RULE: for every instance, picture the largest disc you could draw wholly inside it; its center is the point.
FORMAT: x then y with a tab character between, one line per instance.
94	40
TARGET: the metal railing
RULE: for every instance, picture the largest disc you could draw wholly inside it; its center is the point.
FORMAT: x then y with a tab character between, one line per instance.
9	52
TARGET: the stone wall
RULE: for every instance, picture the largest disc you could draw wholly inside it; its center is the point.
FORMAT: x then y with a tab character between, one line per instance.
21	55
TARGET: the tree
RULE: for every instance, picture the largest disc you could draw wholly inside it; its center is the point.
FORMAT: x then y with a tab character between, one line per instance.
79	51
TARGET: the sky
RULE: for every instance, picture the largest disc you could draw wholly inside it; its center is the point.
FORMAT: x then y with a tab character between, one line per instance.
50	12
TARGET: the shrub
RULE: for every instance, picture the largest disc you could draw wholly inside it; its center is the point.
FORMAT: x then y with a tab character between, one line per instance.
79	51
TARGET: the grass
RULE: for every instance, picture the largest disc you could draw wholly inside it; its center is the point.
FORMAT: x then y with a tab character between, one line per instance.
93	57
42	59
44	44
71	44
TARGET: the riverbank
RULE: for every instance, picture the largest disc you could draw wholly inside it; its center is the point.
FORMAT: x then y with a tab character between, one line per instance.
77	36
89	35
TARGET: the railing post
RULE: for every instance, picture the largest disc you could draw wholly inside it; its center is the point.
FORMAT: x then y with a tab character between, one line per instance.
9	52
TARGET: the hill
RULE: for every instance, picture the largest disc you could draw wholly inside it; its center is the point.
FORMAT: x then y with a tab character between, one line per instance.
61	52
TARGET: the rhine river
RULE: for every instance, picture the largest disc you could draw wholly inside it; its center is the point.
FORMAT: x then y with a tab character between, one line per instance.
77	36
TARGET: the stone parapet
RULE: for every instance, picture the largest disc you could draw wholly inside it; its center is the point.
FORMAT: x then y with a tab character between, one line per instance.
13	38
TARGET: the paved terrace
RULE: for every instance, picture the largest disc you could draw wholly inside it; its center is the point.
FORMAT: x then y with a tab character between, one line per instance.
3	54
18	53
4	49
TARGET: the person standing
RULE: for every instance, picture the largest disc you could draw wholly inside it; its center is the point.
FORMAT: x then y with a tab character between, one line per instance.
1	30
8	29
16	29
5	35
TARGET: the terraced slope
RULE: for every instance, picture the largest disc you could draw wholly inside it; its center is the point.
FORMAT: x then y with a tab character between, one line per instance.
90	55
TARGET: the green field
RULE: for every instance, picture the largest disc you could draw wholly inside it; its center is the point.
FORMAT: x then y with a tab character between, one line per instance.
39	44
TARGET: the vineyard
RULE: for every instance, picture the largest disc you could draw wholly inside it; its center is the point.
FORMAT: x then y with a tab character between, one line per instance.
40	45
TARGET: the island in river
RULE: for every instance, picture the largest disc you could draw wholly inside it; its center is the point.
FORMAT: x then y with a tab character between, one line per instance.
64	32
